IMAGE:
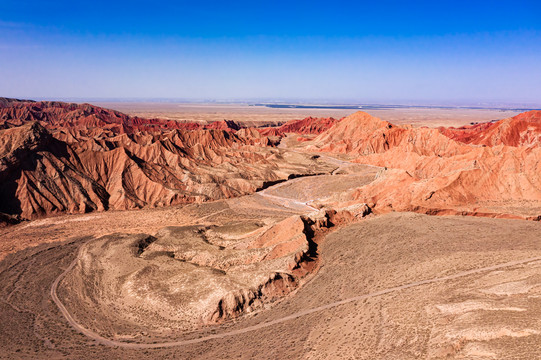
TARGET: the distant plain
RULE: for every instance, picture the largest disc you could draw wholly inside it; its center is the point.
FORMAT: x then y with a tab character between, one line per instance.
251	115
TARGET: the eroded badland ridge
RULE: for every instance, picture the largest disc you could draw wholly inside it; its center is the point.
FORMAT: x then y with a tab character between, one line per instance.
59	157
303	233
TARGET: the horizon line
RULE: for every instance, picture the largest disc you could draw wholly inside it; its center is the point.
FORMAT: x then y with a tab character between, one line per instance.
300	103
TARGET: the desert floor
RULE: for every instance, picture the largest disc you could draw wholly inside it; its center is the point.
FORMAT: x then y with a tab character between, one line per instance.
398	286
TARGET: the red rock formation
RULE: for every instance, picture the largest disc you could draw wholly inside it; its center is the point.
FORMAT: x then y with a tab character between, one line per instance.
56	115
307	125
39	174
48	175
58	157
271	131
59	115
363	134
436	174
228	125
521	130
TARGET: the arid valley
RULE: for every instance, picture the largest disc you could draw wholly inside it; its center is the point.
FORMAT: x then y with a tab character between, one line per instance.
242	232
280	180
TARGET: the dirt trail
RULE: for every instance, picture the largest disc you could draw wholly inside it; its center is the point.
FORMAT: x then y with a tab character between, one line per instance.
115	343
285	201
298	205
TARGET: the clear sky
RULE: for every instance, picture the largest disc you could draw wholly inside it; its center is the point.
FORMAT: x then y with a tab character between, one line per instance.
378	51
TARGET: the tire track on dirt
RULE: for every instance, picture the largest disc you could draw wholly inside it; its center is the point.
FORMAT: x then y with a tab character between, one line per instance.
114	343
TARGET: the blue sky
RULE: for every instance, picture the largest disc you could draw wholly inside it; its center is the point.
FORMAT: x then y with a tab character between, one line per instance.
385	51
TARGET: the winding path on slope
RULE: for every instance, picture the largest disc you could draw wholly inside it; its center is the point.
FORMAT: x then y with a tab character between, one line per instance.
114	343
290	203
304	205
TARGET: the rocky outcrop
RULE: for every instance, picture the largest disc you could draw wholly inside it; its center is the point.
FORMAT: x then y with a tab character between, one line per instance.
431	172
4	102
521	130
39	175
363	134
188	276
60	115
309	125
228	125
59	157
